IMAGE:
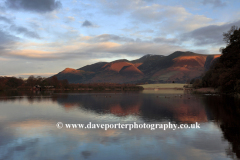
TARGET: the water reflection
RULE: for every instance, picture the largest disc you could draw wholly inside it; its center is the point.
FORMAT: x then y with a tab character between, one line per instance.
27	126
226	112
150	107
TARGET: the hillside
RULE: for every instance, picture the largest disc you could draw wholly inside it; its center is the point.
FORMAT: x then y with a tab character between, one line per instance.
178	67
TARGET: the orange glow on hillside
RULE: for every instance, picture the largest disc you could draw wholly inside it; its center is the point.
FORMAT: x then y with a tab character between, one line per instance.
137	64
117	66
190	60
69	70
216	56
131	69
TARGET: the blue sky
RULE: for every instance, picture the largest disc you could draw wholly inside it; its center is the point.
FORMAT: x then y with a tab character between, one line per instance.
44	37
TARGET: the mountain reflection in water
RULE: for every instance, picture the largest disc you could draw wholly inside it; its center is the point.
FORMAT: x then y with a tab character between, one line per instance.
148	107
35	115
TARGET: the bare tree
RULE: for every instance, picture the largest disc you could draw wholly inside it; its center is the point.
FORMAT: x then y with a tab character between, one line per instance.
227	36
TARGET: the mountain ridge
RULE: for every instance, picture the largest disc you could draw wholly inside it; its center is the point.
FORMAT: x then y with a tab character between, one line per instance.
178	67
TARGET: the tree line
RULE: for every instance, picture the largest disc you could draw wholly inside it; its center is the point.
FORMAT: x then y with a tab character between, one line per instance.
8	83
224	74
20	83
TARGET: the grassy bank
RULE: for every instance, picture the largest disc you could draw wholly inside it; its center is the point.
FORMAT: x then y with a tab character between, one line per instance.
207	90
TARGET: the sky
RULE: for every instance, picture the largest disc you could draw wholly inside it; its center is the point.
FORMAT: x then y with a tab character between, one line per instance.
43	37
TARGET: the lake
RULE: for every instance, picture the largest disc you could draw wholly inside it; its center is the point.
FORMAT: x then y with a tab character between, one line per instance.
28	127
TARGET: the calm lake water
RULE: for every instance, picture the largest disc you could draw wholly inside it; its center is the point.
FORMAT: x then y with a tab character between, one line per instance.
28	126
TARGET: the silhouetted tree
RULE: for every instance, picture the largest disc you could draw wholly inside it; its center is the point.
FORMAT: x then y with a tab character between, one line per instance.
225	74
230	36
64	83
14	82
55	82
31	81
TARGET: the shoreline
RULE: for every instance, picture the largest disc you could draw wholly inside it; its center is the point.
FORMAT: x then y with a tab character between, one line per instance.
162	88
205	90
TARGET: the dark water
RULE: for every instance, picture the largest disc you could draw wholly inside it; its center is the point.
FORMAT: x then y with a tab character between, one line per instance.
28	126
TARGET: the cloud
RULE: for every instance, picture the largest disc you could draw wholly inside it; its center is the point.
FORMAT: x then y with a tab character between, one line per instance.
70	19
152	13
93	49
87	23
24	31
41	6
108	45
169	18
5	38
36	24
145	31
4	19
123	39
33	54
2	9
215	3
209	35
165	40
116	7
111	37
143	48
7	42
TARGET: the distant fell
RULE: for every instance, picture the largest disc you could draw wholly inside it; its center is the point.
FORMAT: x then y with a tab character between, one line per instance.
178	67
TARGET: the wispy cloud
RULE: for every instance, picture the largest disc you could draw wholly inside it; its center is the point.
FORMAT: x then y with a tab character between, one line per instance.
70	19
7	42
5	19
24	31
215	3
34	5
209	35
173	18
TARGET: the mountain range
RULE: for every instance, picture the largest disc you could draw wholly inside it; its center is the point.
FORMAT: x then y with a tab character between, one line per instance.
178	67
